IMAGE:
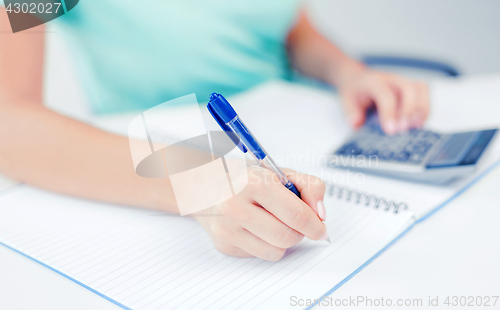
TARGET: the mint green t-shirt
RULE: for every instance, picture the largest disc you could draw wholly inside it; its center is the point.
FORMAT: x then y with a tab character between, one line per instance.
133	55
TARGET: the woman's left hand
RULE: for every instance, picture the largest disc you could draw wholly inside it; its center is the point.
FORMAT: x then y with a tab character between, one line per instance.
401	103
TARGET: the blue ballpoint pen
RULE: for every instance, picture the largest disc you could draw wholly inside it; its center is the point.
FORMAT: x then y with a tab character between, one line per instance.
231	123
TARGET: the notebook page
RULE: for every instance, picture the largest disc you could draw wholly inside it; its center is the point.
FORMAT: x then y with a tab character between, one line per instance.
148	260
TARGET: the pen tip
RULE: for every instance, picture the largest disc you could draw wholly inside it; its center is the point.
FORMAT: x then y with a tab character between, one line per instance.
328	240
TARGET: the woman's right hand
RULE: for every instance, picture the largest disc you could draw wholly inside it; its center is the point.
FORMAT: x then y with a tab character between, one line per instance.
265	218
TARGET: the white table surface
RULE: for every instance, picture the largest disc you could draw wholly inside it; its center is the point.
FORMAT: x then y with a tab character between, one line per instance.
455	252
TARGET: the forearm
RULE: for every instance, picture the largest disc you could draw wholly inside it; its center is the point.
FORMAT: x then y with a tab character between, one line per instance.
313	55
54	152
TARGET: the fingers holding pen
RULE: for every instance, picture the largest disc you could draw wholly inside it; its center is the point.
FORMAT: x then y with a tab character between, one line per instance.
266	218
312	191
287	207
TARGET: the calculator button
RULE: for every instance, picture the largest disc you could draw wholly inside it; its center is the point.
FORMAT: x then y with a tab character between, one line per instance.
386	155
416	158
403	156
422	149
353	150
371	152
419	142
410	148
343	148
431	135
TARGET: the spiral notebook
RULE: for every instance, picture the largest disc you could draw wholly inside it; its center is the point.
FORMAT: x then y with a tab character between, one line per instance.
140	259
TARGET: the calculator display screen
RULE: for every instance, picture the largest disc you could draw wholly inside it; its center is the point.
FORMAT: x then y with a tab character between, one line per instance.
462	149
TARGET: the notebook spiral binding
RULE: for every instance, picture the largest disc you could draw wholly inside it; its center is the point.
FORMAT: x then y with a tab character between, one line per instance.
364	199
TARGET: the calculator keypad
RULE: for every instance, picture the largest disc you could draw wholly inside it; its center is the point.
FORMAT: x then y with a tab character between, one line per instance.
411	146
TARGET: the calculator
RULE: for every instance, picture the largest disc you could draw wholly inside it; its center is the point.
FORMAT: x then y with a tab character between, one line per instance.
415	155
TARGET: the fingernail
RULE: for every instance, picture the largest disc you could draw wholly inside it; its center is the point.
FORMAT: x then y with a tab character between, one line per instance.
324	237
417	121
404	124
354	119
390	127
321	210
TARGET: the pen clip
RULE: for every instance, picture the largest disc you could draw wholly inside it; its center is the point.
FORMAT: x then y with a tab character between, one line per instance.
232	135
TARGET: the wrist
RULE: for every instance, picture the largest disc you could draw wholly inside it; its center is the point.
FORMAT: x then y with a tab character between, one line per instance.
345	70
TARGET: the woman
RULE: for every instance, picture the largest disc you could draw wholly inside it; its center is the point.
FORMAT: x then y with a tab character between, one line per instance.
135	56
